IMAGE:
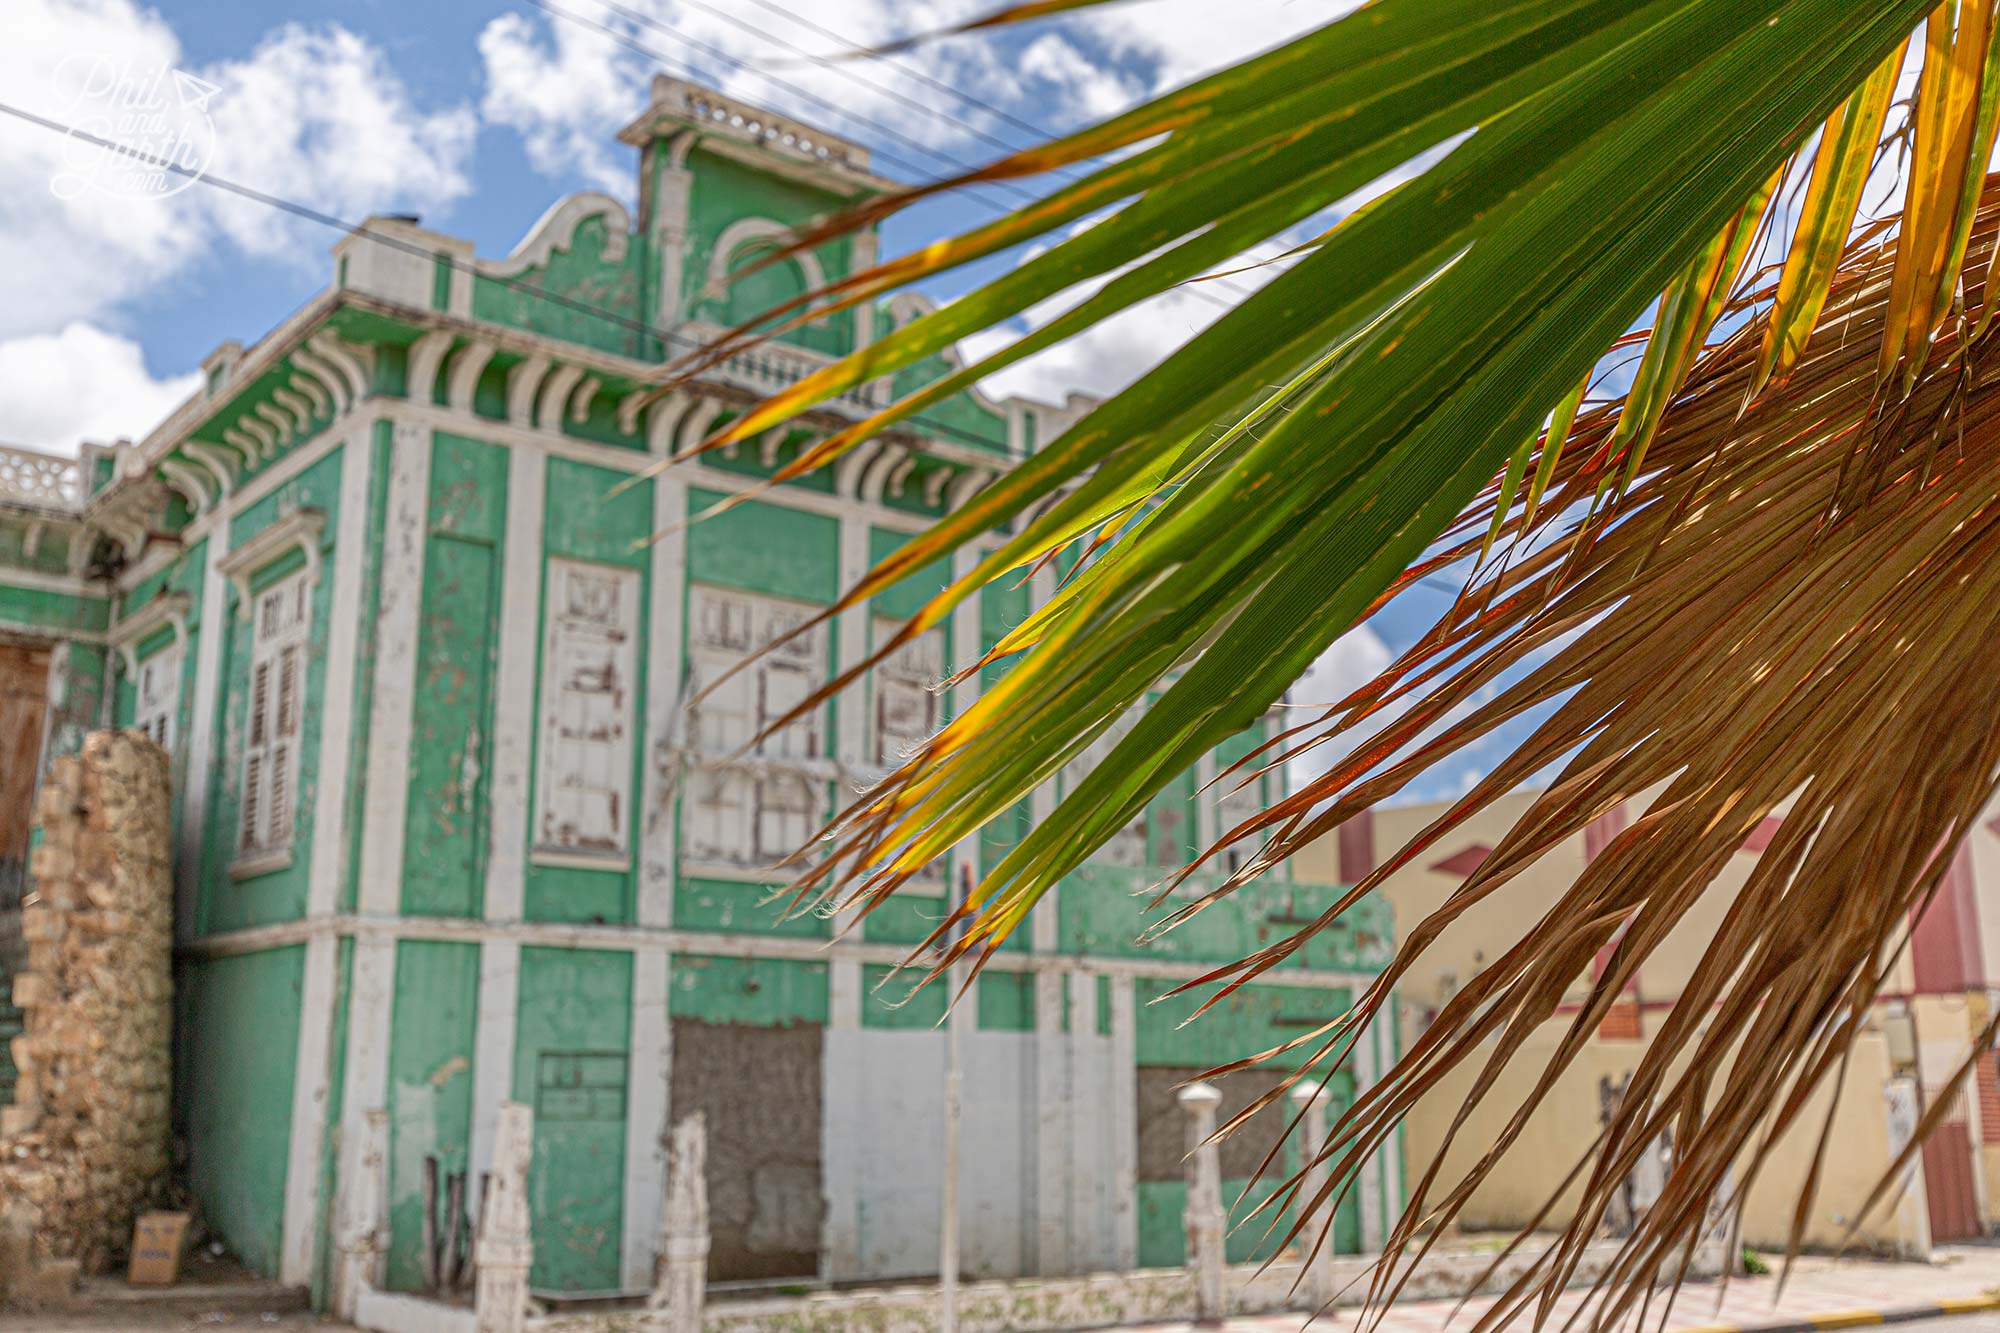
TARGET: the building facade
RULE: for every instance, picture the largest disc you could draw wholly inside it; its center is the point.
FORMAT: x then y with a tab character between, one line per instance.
450	834
1937	998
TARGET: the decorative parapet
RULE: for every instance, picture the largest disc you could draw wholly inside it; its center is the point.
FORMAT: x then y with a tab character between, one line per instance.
42	481
678	104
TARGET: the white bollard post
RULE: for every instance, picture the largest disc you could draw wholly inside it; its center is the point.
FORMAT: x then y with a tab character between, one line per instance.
1204	1200
362	1240
680	1281
505	1249
1317	1280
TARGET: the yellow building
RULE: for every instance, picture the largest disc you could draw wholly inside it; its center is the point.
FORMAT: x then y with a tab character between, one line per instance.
1921	1031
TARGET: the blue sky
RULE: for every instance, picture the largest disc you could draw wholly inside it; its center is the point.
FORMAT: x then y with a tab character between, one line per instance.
477	114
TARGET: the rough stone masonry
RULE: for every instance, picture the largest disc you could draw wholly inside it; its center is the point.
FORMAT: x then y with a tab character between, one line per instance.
84	1147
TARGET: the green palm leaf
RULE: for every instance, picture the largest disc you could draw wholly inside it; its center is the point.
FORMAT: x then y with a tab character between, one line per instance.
1777	558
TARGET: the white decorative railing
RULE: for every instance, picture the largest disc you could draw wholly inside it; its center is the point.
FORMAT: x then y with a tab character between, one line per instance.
44	480
773	131
771	366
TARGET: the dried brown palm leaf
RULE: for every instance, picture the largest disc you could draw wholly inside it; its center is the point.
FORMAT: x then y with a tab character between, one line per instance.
1743	646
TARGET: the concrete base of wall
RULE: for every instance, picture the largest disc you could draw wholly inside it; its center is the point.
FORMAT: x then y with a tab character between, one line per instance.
1030	1304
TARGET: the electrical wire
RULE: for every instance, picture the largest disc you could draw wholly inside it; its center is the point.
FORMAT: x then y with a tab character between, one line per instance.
633	44
324	219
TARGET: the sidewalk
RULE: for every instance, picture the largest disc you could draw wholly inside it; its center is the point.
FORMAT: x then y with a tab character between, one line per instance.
1819	1289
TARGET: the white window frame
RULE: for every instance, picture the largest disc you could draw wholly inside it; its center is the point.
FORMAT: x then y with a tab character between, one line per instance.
908	707
273	725
726	626
590	615
156	689
752	804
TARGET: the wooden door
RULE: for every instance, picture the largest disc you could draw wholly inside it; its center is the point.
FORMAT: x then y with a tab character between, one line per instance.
24	679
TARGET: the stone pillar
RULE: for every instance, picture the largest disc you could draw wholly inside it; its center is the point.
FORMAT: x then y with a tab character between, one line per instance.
505	1249
361	1241
84	1147
1204	1199
1317	1282
680	1282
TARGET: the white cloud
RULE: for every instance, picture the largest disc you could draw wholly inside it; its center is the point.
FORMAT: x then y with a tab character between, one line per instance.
313	114
1349	662
565	84
81	383
1183	40
317	115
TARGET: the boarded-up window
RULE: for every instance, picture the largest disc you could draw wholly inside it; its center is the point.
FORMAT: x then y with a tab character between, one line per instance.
907	707
1127	847
590	665
753	804
158	690
751	819
726	628
277	684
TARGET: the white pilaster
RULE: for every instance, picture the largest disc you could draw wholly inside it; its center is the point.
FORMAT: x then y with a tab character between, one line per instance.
514	686
398	625
215	623
649	1112
1124	1124
1043	922
1082	1122
507	824
493	1050
1374	1175
311	1080
1052	1095
851	637
650	1069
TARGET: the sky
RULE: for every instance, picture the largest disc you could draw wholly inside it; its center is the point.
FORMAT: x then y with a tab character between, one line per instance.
478	114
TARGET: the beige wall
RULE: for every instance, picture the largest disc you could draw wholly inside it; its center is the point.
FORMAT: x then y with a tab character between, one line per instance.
1569	1117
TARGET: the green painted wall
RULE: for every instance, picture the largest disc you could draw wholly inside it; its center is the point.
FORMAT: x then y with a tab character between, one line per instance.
571	1063
450	758
1006	1001
1251	1018
229	903
39	608
739	906
891	1002
764	548
240	1044
430	1086
368	636
578	276
52	547
1095	915
767	992
724	191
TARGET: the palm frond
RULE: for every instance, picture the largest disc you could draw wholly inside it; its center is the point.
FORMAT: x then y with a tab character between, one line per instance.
1756	581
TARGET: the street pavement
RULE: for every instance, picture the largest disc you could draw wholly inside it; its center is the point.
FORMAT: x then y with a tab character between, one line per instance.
1830	1292
1820	1287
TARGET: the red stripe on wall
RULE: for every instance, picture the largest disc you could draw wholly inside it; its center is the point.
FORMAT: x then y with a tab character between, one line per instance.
1357	847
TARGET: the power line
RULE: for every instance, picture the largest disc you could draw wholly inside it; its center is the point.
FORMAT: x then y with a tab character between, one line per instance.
311	214
633	44
638	47
1026	127
853	75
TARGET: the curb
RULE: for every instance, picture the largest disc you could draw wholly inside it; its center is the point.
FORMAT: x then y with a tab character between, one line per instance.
1901	1314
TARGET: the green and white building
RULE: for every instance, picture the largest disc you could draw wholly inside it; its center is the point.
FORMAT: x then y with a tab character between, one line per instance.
449	835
